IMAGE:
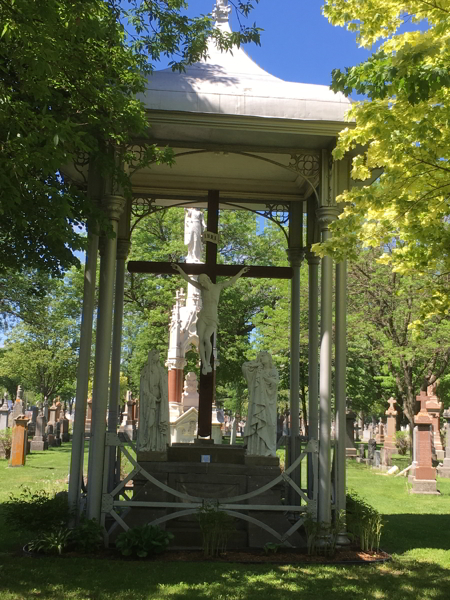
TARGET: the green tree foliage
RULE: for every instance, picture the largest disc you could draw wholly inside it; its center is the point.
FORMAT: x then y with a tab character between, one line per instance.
403	128
41	352
70	75
385	357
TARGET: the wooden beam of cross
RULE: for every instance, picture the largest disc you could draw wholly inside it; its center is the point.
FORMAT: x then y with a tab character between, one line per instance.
165	268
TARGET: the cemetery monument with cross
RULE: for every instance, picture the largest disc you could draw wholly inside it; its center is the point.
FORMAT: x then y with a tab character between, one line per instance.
242	140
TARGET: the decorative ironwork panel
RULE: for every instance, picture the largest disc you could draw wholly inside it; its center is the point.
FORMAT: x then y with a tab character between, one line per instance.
307	165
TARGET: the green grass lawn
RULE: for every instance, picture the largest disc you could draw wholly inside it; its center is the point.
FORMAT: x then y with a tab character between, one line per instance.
416	532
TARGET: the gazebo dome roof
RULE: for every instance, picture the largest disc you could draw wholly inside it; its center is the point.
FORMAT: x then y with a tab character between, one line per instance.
232	83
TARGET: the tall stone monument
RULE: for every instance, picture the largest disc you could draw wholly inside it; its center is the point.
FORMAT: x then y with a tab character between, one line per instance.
19	442
391	427
424	480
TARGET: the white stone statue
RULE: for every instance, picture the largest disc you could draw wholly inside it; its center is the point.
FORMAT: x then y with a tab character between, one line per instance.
194	226
261	429
207	317
153	432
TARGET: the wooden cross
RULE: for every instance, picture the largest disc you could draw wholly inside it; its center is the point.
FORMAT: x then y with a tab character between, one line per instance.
213	270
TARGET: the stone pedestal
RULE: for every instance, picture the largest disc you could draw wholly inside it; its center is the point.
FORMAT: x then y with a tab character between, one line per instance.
183	426
434	408
444	471
424	481
19	442
227	473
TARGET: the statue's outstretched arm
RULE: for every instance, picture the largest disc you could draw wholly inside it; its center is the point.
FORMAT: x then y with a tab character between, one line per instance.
186	277
233	280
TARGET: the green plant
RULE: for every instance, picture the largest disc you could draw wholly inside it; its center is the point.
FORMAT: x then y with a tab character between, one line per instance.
215	526
402	442
364	522
53	542
6	442
34	510
87	536
271	548
143	541
320	538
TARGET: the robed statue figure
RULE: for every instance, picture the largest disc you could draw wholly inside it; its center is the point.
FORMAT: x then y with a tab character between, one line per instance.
261	428
153	432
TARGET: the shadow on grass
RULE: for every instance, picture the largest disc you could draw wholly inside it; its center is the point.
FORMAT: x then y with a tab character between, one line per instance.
80	579
405	532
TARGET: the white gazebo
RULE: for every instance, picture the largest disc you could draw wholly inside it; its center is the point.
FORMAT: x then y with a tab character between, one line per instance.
242	139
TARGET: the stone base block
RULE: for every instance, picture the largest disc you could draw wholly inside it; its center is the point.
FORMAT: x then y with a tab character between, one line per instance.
269	461
217	479
351	453
440	454
151	456
37	446
425	486
65	437
443	472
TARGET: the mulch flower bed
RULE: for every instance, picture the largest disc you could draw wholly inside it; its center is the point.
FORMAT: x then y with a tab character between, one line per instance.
349	556
282	556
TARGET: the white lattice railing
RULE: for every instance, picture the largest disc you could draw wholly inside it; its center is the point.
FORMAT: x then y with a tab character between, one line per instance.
191	504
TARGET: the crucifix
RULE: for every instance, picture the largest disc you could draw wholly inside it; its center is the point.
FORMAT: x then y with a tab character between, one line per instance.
213	270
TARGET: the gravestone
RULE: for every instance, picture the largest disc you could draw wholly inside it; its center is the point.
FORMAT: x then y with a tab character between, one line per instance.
434	408
52	415
57	429
361	453
350	448
64	429
46	413
366	434
380	435
377	462
4	415
424	480
51	437
19	442
391	426
88	422
39	441
444	470
371	449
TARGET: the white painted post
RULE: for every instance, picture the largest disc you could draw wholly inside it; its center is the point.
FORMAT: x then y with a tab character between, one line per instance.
114	206
77	456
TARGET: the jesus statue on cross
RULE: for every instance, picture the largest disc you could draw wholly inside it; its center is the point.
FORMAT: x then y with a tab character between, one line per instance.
207	317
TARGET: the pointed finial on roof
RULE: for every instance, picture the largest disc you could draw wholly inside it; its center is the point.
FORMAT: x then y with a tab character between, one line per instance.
221	12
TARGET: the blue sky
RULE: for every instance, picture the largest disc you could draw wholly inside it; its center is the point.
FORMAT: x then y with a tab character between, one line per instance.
298	43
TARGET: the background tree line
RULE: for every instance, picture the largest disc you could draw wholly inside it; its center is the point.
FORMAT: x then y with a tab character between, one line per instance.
41	318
